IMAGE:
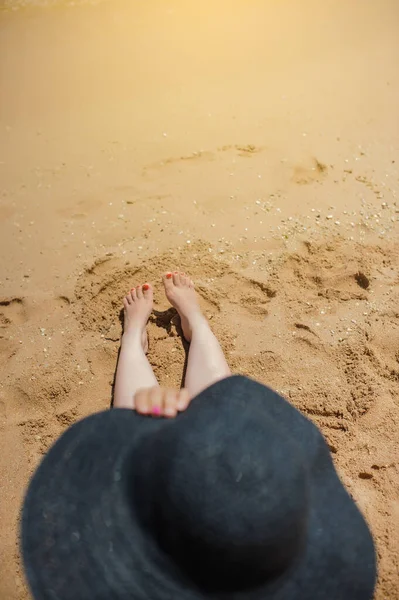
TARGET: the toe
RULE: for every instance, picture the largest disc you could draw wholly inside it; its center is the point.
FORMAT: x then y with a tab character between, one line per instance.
191	283
184	279
147	291
176	278
126	301
168	281
133	295
139	291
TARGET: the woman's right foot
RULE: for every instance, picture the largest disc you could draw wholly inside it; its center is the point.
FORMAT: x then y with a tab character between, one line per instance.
180	292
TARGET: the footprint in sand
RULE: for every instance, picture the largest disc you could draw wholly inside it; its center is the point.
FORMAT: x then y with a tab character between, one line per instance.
12	312
8	349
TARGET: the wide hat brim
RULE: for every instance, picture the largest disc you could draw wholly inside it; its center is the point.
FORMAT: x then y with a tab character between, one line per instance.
82	539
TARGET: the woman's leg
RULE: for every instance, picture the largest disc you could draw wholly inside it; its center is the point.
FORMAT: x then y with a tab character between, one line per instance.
134	372
206	361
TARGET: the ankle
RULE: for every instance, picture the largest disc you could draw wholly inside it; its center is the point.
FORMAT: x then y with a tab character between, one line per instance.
199	324
131	337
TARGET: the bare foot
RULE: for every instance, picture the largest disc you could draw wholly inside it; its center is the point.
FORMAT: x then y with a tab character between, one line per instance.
137	308
181	294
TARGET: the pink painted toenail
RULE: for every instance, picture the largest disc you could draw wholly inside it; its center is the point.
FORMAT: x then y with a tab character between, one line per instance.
169	275
146	287
156	410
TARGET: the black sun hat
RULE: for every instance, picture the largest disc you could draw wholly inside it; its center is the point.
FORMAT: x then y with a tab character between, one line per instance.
237	498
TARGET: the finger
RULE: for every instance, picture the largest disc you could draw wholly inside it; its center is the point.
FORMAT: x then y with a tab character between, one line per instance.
183	399
142	403
170	403
156	401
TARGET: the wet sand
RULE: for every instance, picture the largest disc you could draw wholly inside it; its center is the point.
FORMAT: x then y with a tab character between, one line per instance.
255	144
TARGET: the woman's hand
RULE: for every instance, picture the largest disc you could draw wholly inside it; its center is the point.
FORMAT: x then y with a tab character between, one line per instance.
161	402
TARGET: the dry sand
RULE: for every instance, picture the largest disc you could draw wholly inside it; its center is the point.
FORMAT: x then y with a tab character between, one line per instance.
254	144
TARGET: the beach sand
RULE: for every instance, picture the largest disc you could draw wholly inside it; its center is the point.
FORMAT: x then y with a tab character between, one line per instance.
253	144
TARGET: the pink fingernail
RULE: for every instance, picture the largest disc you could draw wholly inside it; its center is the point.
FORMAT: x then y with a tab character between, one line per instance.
156	410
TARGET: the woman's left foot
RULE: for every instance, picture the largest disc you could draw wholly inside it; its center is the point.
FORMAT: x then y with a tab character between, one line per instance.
137	308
